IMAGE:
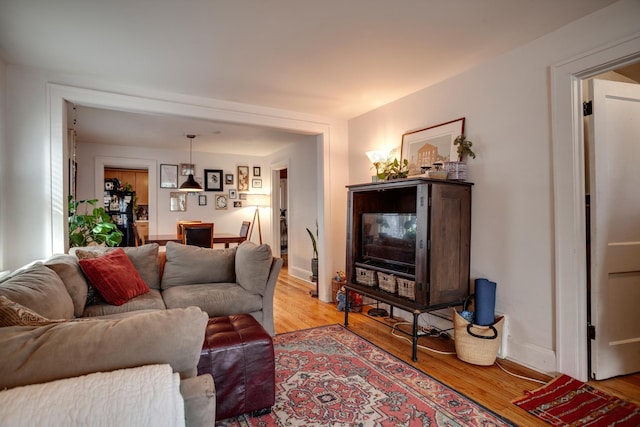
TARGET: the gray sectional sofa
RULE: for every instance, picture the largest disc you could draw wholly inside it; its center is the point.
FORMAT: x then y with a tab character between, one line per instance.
69	333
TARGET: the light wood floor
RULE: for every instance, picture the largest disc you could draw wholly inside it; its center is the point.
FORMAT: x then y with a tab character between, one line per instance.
295	309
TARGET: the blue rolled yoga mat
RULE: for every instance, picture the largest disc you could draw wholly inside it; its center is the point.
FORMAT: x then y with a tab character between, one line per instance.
485	302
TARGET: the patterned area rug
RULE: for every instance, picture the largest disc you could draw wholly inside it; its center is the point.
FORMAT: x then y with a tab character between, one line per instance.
567	401
328	376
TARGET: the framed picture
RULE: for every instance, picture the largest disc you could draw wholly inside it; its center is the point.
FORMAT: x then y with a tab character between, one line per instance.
213	180
237	204
228	179
168	176
233	194
202	200
178	201
243	178
243	196
256	171
424	147
256	183
221	201
187	169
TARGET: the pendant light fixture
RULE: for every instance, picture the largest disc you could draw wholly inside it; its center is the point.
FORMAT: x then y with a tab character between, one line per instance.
190	185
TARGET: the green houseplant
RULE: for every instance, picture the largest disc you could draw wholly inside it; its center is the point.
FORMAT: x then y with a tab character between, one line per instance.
463	147
393	169
91	228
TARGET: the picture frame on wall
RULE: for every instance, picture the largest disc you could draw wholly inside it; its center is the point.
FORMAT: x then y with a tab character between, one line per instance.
424	147
237	204
168	176
178	201
256	183
256	171
228	179
213	180
233	194
243	178
221	201
187	169
202	200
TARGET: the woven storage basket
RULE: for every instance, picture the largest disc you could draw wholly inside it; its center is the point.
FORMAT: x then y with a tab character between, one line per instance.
474	343
406	288
365	277
387	282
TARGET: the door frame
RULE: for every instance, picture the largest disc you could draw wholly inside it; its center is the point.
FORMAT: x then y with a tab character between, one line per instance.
187	106
568	195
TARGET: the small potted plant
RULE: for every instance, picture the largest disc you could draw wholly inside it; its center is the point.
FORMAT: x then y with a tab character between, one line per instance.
393	169
457	170
464	148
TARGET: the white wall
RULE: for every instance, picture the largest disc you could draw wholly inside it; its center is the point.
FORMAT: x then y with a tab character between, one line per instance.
228	220
35	151
4	151
506	103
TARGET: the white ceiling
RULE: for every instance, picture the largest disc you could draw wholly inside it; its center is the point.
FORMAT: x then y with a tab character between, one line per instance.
335	58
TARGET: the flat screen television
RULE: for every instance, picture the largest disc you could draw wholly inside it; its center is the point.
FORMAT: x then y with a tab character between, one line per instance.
389	238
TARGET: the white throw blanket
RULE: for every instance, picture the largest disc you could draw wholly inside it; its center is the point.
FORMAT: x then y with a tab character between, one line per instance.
144	396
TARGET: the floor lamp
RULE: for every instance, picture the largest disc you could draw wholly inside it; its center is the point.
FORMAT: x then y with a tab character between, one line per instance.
257	200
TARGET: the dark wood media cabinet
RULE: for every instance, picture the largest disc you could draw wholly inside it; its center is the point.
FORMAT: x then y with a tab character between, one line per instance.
415	232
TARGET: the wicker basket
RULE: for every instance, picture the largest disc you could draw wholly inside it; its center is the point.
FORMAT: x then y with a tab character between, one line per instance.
406	288
387	282
474	343
366	277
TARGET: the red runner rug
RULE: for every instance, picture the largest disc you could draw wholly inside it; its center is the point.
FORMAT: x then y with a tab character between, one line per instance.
329	376
565	401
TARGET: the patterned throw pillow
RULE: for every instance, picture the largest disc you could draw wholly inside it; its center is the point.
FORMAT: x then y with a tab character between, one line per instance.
14	314
114	276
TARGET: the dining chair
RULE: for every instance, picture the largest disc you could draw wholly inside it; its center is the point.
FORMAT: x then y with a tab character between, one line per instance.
179	225
139	238
198	234
244	229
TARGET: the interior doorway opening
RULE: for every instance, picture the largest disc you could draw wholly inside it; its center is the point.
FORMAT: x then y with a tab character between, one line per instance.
282	207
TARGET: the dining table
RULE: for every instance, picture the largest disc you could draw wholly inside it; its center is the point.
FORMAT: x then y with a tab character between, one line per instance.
222	238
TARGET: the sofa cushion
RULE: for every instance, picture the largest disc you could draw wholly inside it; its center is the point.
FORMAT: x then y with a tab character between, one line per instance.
187	265
144	259
217	299
151	300
67	267
14	314
114	276
253	263
41	290
36	354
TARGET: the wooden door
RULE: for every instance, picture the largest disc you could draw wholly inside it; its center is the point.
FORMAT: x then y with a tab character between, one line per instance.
615	228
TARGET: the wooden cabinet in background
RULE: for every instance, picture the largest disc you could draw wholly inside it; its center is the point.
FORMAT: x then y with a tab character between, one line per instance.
143	228
139	180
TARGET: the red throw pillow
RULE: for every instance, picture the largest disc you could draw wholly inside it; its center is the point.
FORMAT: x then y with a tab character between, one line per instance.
114	276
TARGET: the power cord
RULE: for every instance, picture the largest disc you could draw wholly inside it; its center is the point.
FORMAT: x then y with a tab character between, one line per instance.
393	332
434	332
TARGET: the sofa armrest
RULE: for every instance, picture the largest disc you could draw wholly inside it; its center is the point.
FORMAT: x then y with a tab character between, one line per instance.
267	298
37	354
199	394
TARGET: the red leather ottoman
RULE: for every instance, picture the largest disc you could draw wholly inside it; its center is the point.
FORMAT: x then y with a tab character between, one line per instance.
238	353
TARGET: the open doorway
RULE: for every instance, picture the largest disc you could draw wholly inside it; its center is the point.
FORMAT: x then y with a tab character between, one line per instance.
136	183
283	208
569	191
